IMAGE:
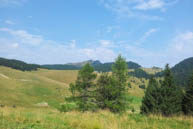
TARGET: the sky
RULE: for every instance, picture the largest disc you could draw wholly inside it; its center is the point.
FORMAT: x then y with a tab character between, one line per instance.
149	32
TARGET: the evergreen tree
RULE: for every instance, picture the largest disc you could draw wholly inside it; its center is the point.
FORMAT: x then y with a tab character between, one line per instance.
119	77
187	103
83	89
151	100
171	95
106	91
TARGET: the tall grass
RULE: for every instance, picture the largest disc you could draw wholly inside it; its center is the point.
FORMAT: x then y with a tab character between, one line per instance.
45	118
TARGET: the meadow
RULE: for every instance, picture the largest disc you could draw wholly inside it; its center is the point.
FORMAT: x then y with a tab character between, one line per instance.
21	94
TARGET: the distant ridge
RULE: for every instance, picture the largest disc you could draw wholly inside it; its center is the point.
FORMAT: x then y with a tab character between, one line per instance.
102	67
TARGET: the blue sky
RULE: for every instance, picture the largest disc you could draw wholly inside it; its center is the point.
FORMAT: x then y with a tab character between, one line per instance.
149	32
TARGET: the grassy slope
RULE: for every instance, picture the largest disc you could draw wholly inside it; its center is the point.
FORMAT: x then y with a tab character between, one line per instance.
25	89
29	88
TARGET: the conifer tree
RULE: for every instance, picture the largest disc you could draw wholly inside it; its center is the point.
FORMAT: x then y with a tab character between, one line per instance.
119	74
151	100
106	86
187	103
171	95
112	88
83	89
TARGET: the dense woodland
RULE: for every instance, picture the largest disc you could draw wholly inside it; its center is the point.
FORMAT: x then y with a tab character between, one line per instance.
19	65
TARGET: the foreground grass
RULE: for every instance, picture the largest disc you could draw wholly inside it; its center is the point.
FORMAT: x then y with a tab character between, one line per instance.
22	118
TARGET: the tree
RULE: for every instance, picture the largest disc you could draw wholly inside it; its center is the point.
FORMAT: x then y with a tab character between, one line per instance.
106	91
119	74
151	100
187	103
171	95
83	89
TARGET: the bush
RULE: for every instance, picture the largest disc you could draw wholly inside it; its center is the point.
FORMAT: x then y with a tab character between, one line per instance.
142	86
129	85
66	107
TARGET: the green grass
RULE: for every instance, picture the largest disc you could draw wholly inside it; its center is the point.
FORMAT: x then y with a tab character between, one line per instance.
27	89
51	119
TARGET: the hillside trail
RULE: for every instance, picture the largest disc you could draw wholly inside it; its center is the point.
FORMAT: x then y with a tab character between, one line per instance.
4	76
54	81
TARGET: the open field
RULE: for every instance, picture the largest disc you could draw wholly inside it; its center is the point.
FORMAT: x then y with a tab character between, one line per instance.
26	90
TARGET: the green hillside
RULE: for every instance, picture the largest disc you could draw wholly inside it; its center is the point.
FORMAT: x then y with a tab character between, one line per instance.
30	88
24	95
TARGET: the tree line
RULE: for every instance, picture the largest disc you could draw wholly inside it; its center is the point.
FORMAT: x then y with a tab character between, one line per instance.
167	98
109	91
19	65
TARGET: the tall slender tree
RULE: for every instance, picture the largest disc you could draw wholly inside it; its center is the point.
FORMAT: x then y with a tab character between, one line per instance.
187	103
83	89
119	73
151	100
171	95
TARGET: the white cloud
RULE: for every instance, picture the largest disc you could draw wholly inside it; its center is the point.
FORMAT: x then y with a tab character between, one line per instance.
49	51
23	36
5	3
136	8
9	22
150	4
180	47
105	43
22	45
146	35
15	45
73	43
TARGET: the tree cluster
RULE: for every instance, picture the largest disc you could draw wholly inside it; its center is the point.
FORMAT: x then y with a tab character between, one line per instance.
108	91
19	65
167	98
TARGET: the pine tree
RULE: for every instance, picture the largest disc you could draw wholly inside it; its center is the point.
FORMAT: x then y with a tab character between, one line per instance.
83	89
119	77
171	95
187	103
151	100
106	89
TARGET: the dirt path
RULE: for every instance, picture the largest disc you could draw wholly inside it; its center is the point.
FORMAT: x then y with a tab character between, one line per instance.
4	76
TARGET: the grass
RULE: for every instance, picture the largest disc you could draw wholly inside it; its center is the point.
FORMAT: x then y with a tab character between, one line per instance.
27	89
46	118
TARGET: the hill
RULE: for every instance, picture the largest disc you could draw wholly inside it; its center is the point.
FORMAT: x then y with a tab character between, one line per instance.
182	71
16	64
26	89
102	67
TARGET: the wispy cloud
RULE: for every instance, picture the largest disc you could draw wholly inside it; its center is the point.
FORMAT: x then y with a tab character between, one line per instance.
43	51
9	22
136	8
23	36
21	44
8	3
178	48
146	35
151	4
